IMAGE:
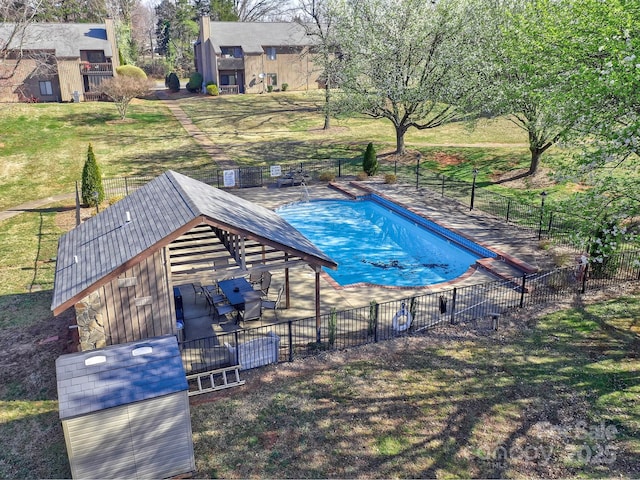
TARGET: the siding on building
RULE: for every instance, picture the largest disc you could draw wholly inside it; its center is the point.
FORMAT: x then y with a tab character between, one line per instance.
125	411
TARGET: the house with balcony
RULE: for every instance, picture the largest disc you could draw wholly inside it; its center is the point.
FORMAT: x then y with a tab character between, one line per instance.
252	57
56	62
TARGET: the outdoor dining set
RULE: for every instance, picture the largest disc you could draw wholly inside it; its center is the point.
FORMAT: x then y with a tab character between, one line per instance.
244	298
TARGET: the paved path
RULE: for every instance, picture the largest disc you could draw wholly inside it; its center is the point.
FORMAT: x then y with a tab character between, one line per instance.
215	152
35	205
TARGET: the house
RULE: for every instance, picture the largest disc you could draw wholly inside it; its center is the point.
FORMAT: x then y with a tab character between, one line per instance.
252	57
56	62
118	268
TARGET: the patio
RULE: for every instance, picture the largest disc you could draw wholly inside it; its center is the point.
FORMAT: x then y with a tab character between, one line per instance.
517	243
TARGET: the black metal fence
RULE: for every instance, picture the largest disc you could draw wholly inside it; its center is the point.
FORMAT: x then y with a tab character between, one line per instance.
477	306
548	223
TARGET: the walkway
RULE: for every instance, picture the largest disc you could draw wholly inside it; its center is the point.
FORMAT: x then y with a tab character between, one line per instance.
214	151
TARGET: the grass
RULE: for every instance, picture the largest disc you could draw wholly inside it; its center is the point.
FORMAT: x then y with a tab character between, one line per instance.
424	407
44	146
442	406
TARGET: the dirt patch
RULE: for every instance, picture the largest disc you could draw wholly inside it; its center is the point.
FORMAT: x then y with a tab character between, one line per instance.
66	220
447	160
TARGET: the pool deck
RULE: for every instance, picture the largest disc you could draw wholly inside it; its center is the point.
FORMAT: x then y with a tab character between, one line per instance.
482	228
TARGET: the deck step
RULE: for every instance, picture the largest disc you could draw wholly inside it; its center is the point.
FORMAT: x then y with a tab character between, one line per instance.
213	380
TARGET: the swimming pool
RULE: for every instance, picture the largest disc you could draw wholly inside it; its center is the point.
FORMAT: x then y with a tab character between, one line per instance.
376	241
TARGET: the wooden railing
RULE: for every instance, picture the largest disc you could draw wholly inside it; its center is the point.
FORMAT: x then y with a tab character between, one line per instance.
87	68
228	89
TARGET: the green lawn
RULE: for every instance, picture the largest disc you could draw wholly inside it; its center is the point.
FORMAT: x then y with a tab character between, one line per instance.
443	406
428	407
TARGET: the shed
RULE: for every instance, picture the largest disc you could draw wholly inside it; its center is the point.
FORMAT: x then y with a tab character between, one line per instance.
125	411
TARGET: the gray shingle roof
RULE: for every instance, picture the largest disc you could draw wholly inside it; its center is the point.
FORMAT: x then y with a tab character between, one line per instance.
67	39
253	36
122	378
103	243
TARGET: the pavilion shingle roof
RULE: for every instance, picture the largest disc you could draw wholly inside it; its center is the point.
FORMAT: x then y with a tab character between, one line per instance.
105	242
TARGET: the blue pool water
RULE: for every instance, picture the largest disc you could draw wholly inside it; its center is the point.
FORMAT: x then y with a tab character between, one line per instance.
373	244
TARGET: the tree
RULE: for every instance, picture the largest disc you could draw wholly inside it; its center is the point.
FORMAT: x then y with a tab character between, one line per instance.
370	160
15	19
600	46
405	61
121	89
92	189
318	24
177	29
259	10
529	81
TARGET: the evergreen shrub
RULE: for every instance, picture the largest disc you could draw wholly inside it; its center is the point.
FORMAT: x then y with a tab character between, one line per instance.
92	181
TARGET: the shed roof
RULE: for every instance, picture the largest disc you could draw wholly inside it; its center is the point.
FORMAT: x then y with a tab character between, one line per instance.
130	373
160	212
67	39
253	36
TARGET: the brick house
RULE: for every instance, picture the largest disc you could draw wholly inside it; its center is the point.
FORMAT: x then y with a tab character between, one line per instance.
56	62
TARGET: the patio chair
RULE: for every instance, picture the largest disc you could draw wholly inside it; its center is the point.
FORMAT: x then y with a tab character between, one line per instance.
197	291
264	284
223	309
220	263
274	305
252	310
255	278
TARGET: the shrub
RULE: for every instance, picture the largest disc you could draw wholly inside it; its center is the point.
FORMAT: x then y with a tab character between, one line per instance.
131	71
115	199
390	178
370	160
173	83
285	86
362	176
213	90
327	176
269	88
195	82
92	181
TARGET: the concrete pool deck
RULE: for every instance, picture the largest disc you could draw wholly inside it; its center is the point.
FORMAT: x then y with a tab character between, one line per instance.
482	228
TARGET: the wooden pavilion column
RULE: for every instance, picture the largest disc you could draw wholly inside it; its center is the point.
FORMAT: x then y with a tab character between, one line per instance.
317	269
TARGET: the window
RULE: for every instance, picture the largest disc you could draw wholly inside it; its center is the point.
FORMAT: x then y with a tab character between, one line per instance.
271	53
272	79
45	88
231	52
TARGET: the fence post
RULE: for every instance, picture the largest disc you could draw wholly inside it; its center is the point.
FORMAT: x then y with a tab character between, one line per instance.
522	289
375	325
339	167
508	209
235	336
453	306
126	186
584	278
290	341
418	171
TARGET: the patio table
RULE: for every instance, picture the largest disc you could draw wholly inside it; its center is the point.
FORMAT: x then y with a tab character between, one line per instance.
233	289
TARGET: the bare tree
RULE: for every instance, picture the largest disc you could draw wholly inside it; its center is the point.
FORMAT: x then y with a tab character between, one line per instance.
15	18
122	89
318	25
143	26
260	10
